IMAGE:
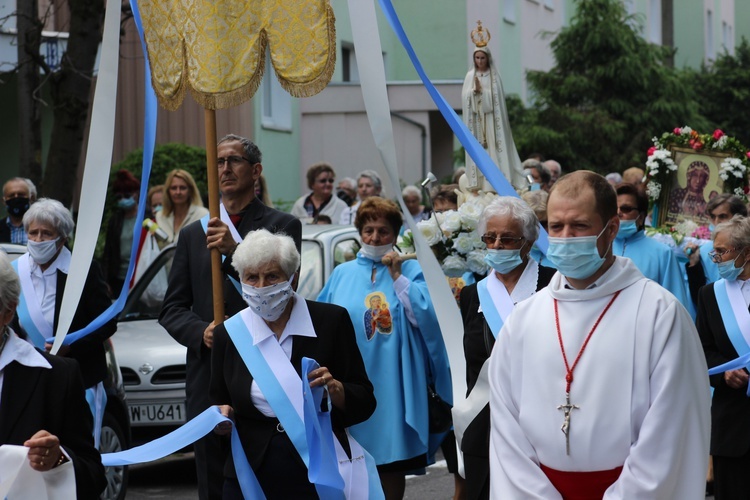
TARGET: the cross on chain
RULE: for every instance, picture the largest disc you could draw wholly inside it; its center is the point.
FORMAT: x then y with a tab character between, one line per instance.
567	410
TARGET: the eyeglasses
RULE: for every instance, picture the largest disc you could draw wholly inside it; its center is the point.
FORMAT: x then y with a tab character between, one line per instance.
490	239
327	180
626	209
717	255
232	160
122	196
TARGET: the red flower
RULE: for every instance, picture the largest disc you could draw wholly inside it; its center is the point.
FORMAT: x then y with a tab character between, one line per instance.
718	134
677	131
746	189
747	154
696	144
652	149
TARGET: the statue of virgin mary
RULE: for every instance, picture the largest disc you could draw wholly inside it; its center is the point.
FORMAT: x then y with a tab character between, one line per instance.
485	115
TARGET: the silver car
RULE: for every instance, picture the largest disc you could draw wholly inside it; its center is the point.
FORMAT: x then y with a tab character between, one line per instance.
153	363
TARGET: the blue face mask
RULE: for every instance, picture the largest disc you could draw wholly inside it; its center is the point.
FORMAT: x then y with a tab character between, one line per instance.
576	258
627	229
503	261
126	203
711	227
728	271
535	186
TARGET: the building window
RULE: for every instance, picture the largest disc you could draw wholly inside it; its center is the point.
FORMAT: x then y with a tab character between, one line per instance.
349	71
726	37
710	51
276	103
509	11
654	22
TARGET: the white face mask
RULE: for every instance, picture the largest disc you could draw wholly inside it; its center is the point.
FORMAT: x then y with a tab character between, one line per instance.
42	252
375	253
268	302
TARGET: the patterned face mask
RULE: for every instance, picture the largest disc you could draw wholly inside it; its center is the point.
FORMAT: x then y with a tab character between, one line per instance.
268	302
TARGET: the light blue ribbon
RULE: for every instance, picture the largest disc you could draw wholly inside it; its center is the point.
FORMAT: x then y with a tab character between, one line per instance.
327	480
319	432
149	142
491	314
24	317
184	436
237	286
467	139
733	332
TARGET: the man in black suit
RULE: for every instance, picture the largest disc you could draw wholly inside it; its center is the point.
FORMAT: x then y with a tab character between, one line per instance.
187	313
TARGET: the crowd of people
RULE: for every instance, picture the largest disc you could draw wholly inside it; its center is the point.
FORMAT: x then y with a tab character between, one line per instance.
586	364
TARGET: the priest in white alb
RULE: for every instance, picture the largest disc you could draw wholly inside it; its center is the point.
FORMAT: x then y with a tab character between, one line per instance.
598	383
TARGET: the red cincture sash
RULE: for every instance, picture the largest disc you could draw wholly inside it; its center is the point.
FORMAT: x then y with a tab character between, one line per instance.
582	485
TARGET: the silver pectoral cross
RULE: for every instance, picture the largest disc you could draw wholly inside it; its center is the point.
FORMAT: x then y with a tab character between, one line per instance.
567	409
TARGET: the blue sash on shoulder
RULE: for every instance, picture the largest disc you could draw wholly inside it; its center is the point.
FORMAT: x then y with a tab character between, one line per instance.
736	319
204	224
36	337
496	303
328	485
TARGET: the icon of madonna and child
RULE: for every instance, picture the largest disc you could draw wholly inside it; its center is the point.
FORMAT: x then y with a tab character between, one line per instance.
697	182
377	315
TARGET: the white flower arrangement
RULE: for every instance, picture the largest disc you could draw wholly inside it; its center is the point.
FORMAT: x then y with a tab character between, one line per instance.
732	166
453	237
659	164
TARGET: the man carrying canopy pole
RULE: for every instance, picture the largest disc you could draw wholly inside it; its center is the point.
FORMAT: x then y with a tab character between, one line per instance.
223	68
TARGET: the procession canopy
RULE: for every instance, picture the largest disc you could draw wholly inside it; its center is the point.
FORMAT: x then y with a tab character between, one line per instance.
216	48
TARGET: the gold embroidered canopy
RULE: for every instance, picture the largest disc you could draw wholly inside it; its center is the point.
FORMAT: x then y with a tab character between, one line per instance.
216	48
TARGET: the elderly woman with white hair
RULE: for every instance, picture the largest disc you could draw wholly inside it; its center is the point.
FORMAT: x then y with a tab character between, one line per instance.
43	272
413	201
509	228
280	328
42	407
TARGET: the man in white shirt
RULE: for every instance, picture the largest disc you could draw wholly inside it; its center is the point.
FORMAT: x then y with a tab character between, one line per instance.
598	383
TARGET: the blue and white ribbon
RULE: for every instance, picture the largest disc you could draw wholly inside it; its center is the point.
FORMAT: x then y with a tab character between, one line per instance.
94	187
465	137
184	436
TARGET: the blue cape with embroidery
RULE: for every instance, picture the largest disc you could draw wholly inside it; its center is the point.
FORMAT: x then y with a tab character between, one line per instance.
398	356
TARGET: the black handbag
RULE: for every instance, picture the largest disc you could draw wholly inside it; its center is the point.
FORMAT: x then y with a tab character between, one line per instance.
439	411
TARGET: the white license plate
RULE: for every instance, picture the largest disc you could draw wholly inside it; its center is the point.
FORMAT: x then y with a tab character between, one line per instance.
157	413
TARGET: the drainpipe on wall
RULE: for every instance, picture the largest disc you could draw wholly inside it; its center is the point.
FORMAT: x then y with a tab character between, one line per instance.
424	139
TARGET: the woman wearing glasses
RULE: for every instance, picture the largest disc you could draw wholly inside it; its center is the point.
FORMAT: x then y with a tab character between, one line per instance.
182	205
509	228
654	259
400	341
322	201
724	326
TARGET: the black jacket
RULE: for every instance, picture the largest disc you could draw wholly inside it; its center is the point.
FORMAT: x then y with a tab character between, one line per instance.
188	303
730	408
335	347
35	399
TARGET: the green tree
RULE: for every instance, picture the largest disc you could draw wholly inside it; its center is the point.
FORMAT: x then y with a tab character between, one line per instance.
167	157
607	95
723	91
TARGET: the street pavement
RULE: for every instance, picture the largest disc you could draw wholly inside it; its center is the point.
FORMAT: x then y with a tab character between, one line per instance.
174	478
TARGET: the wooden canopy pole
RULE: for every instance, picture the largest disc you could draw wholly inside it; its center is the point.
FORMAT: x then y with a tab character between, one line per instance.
217	278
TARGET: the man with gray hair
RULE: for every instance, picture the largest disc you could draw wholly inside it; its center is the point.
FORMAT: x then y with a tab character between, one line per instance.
554	169
187	313
18	194
537	175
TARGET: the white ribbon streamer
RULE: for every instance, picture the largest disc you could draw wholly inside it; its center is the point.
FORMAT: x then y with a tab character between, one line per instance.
96	171
18	481
369	55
